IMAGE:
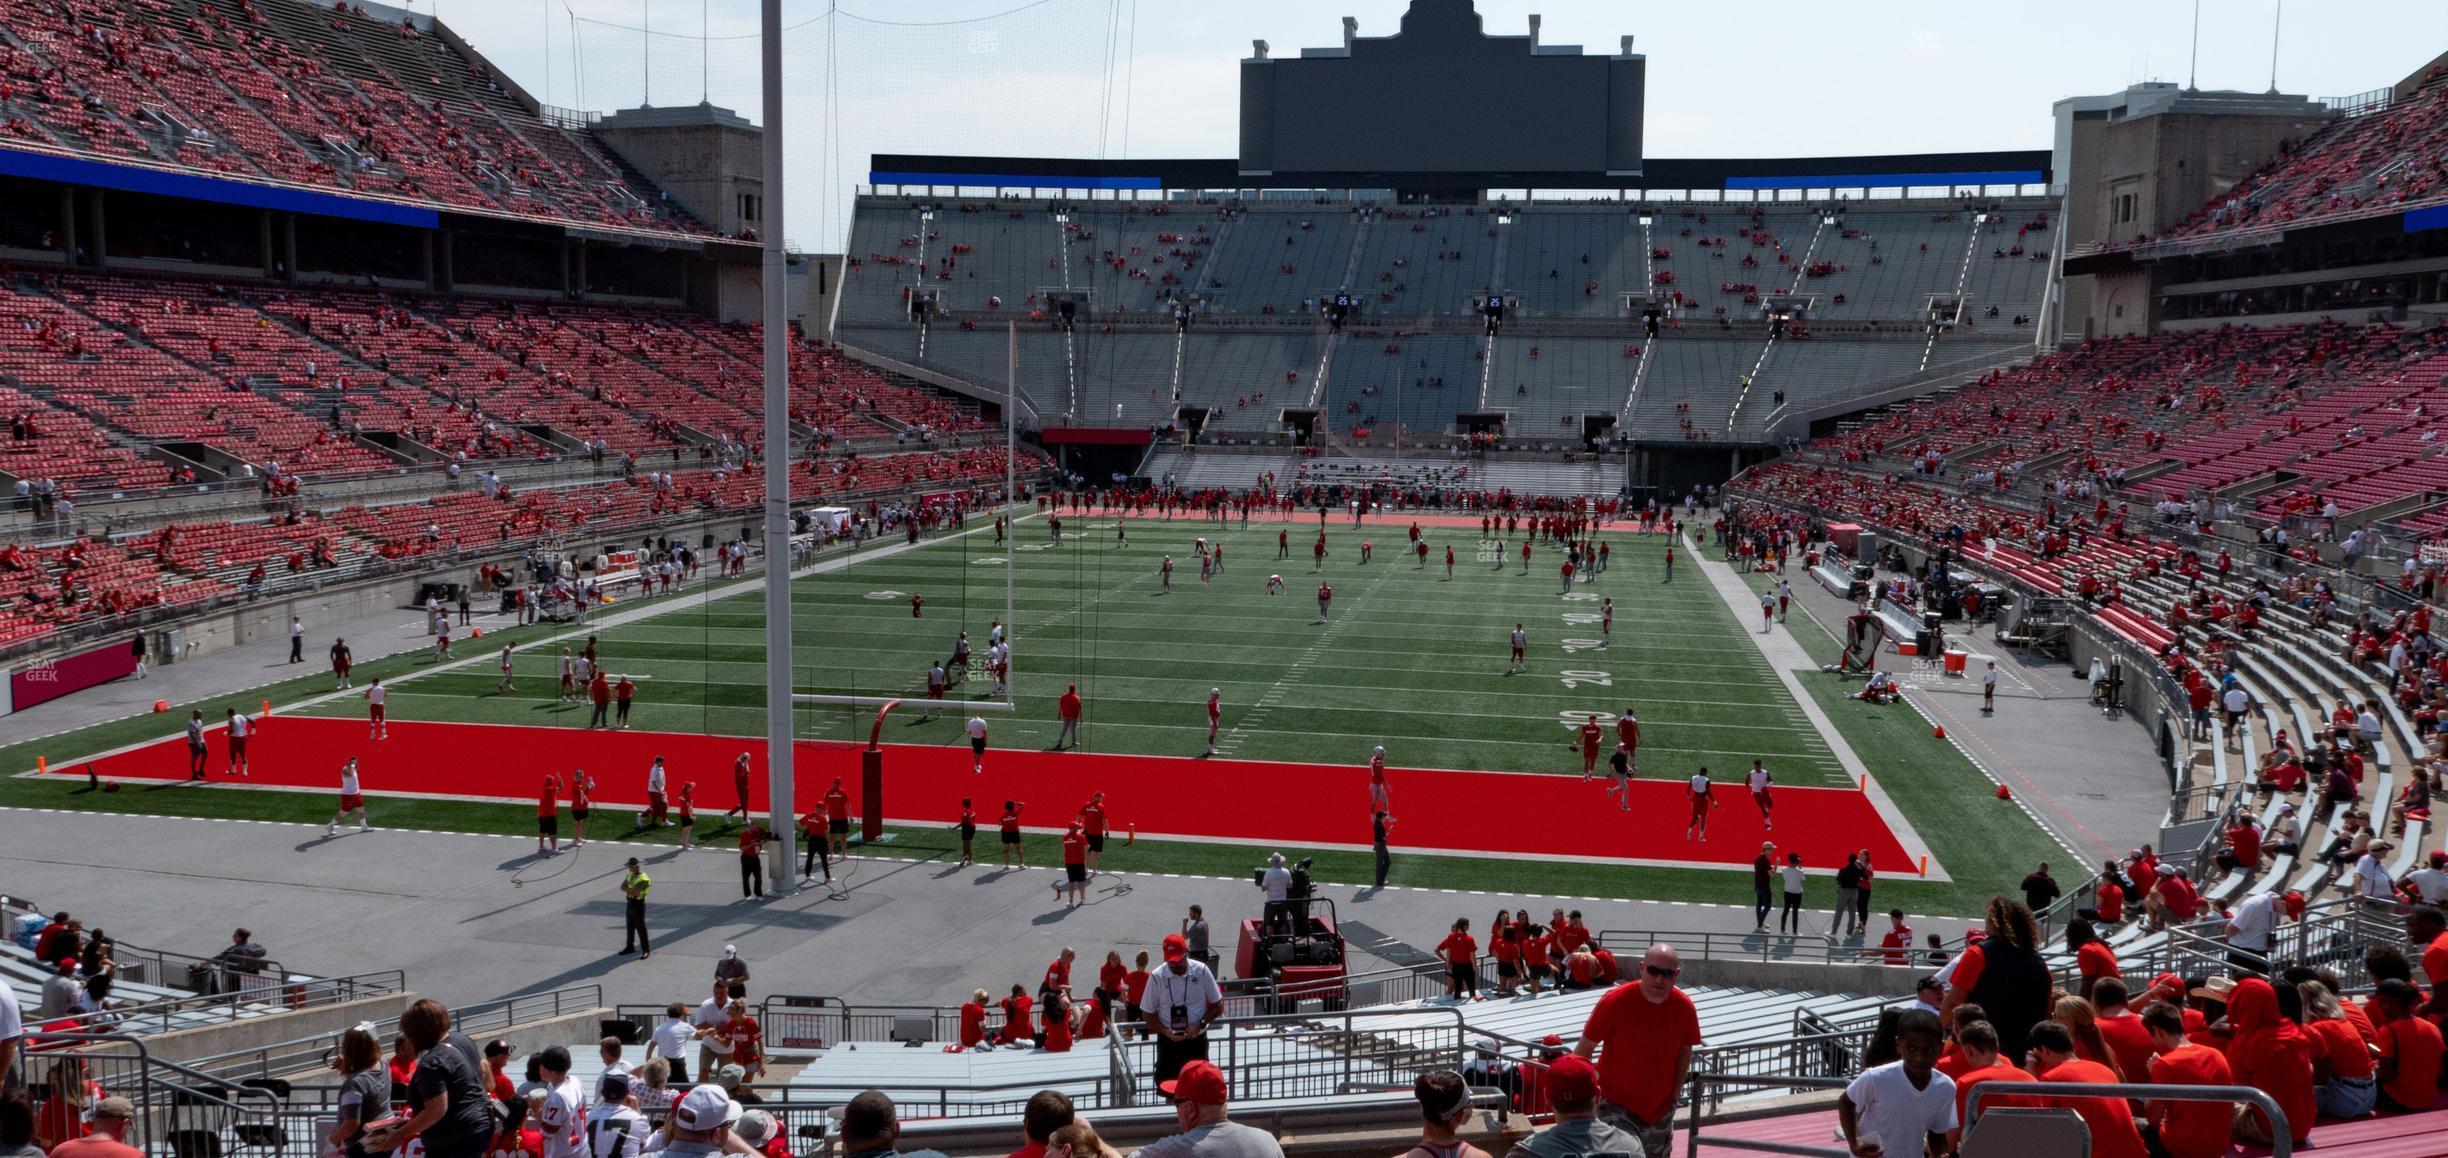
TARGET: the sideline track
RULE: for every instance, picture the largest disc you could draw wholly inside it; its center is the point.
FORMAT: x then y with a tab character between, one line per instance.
1438	812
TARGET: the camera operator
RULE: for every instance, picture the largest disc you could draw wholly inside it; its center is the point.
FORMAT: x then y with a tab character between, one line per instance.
1276	882
1298	894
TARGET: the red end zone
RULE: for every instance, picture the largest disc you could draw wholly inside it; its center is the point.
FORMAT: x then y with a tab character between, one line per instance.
1233	801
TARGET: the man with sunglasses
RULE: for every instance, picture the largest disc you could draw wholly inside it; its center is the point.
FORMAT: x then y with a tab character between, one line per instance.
1642	1037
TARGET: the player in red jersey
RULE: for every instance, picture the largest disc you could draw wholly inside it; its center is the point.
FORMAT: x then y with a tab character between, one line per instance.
1215	716
1627	735
1365	547
1761	785
1419	547
1703	799
1591	733
1275	585
1521	647
1325	600
1606	623
1525	557
1319	550
1377	782
739	785
688	816
1449	560
1164	573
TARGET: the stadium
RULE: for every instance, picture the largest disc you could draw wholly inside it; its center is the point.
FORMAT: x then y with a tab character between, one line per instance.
899	648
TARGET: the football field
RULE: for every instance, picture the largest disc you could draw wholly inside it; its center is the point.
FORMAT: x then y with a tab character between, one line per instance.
1407	657
1483	761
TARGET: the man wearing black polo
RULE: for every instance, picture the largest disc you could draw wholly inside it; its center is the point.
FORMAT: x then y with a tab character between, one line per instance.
2040	889
1181	998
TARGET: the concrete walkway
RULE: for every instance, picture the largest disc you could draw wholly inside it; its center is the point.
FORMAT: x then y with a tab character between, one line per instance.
473	917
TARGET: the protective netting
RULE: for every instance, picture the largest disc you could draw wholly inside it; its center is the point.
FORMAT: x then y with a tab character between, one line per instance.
1037	79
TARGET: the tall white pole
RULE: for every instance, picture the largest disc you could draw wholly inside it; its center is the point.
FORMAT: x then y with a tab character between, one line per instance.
778	673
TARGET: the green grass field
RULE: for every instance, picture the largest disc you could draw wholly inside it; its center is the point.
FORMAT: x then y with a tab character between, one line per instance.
1409	659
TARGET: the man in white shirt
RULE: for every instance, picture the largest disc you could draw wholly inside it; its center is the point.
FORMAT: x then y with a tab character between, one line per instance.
707	1020
655	802
2367	721
2255	923
297	640
977	744
670	1041
1181	998
12	1036
614	1128
2431	884
2371	875
562	1118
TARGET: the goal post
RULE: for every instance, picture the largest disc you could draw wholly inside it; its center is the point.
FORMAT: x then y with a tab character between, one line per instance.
871	757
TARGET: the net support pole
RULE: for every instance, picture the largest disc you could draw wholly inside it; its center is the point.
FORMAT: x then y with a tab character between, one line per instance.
775	289
1011	450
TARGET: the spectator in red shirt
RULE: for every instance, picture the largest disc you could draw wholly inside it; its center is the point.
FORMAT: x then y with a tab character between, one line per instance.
1017	1024
2409	1066
2427	934
1046	1112
2092	956
2270	1054
2111	1119
111	1117
973	1020
1058	1021
2108	900
599	690
1460	952
2342	1084
1074	884
1068	708
2128	1041
1978	1042
1642	1036
2186	1129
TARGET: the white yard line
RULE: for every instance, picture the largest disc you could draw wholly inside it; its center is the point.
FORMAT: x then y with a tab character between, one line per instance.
1786	656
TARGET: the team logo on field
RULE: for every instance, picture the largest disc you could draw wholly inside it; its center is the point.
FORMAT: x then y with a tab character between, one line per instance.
991	561
888	595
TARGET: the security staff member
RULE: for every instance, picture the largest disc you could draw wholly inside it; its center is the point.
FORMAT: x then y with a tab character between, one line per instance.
633	890
1181	998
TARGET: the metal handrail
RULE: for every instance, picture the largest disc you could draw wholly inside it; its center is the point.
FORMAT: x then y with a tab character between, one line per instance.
2281	1135
302	1054
277	996
1781	948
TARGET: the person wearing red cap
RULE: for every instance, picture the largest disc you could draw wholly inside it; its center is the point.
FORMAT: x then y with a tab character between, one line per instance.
1571	1087
1198	1096
1648	1030
2428	886
1181	998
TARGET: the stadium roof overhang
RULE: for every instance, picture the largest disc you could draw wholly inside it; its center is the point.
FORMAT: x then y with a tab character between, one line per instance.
189	185
1911	170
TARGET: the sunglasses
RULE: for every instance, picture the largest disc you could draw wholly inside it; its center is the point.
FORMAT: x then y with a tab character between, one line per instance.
1667	974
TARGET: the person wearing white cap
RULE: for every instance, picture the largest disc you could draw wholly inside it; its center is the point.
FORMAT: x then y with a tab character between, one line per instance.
1276	882
731	969
700	1122
756	1128
614	1127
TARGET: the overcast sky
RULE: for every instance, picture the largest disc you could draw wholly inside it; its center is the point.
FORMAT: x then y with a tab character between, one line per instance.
1780	78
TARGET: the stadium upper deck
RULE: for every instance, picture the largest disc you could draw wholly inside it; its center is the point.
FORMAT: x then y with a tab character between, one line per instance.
303	94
